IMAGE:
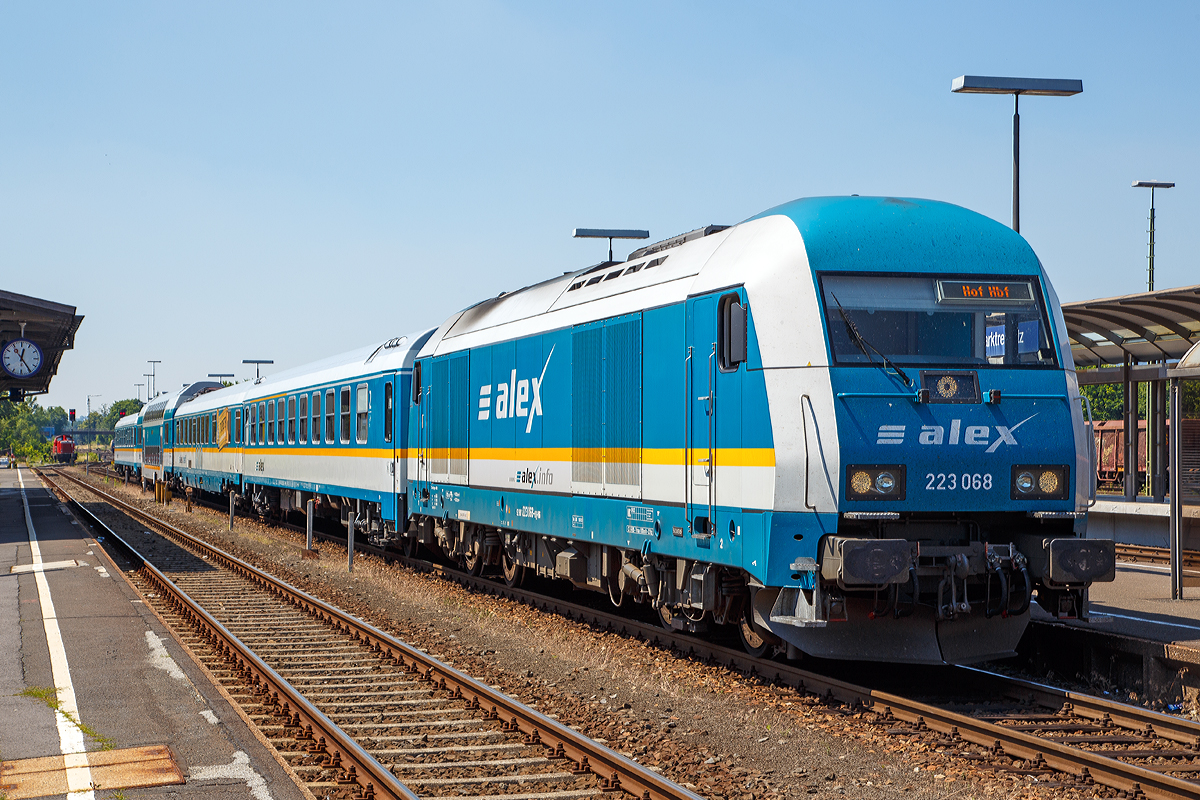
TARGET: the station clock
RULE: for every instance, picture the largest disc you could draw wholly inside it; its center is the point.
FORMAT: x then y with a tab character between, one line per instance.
21	358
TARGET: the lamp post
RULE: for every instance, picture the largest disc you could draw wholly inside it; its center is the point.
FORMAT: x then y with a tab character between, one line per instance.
221	376
1051	87
153	374
148	376
256	362
610	234
1152	185
139	388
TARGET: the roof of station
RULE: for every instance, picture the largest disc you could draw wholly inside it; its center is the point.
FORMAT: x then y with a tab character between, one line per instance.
51	326
1150	326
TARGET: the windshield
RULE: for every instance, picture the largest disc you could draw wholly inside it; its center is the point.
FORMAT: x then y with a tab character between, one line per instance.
937	319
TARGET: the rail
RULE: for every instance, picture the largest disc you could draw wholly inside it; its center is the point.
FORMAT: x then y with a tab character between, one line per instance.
615	771
995	738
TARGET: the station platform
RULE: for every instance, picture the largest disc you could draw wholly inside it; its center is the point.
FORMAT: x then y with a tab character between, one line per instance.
1143	521
96	697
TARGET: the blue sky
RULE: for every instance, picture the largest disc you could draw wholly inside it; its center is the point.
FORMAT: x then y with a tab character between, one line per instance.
220	181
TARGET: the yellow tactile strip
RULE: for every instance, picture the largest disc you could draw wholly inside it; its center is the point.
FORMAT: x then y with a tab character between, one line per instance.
132	768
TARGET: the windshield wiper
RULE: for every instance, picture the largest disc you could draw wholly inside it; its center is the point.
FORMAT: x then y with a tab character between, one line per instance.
863	344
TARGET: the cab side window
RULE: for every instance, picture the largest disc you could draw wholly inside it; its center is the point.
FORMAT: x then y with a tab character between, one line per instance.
732	325
388	411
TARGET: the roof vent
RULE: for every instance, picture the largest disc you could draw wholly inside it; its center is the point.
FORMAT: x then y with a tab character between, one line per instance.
675	241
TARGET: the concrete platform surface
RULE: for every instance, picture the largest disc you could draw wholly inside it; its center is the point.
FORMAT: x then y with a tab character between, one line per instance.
78	639
1138	604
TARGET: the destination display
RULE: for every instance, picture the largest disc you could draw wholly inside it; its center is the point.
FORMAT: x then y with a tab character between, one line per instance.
986	291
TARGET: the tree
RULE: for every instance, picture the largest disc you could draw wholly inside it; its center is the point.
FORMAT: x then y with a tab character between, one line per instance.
111	414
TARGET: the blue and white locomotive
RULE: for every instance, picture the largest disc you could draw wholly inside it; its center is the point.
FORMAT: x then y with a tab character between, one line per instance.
849	427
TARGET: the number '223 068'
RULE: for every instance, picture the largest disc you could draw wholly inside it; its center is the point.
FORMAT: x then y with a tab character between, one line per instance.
968	481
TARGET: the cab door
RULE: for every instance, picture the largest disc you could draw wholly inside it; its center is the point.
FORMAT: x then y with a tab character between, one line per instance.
699	407
716	342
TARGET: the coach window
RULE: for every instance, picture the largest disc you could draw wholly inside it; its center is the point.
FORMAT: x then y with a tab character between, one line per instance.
253	415
291	420
213	429
330	424
362	406
733	332
388	411
345	414
205	434
176	430
316	418
237	426
303	438
281	422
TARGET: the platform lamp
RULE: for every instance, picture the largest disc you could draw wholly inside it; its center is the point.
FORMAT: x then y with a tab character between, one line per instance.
139	388
610	234
1152	185
148	376
257	362
1046	87
221	376
153	375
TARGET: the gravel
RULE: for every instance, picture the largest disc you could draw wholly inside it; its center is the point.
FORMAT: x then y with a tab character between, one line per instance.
717	732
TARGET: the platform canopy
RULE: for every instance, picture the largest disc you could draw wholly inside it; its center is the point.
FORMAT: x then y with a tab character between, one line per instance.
1149	326
51	326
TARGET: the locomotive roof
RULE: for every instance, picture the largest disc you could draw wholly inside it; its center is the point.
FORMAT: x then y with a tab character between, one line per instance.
842	233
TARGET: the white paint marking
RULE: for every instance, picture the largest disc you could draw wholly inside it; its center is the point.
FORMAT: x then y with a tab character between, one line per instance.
239	770
1152	621
161	659
45	566
209	715
70	737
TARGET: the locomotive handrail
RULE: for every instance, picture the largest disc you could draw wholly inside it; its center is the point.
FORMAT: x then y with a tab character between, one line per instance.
904	395
687	438
1091	449
804	422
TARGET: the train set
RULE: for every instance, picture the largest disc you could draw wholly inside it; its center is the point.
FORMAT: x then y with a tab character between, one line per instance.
849	427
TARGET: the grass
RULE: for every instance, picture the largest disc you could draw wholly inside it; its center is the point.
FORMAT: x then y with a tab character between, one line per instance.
49	696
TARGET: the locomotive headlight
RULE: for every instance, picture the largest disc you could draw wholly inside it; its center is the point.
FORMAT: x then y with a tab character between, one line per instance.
1040	482
875	482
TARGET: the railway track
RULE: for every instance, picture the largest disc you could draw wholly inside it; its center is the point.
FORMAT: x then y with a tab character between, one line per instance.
1009	724
1155	555
355	712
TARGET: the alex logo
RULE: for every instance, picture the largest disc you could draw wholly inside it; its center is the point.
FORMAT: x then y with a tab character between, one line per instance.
517	398
980	435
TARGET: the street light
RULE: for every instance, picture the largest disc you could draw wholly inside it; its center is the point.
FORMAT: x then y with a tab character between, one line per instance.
256	362
147	375
1046	87
139	388
610	234
1152	185
89	403
153	374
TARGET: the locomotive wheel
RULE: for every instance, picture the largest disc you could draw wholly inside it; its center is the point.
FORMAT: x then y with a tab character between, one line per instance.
514	573
665	617
471	557
753	642
411	546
